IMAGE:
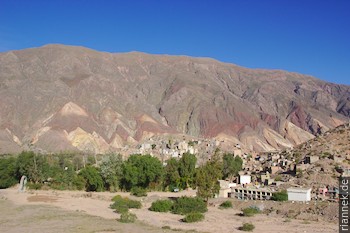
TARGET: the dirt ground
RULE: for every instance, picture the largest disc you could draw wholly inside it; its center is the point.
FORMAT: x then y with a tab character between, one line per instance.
75	211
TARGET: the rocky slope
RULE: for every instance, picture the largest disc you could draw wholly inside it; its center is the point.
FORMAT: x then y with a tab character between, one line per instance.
332	152
72	98
333	143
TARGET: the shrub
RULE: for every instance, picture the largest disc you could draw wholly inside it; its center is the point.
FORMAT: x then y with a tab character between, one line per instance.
133	204
278	178
161	206
127	217
280	196
250	211
122	205
186	205
139	192
193	217
299	173
226	205
247	227
117	197
35	186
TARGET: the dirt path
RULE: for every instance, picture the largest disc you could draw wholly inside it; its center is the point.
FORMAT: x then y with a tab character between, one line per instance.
97	205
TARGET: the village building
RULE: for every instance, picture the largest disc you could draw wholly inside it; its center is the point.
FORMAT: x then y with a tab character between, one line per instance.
311	159
299	194
224	188
251	193
322	191
245	179
264	177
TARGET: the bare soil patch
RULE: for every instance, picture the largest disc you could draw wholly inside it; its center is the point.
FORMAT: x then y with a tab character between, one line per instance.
41	198
82	212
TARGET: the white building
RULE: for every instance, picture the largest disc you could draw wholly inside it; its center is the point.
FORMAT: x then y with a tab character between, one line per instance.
224	188
245	179
299	194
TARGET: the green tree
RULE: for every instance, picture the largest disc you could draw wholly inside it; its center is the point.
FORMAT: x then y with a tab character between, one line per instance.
61	172
171	174
187	165
112	170
34	166
207	178
141	171
231	165
7	172
93	179
78	162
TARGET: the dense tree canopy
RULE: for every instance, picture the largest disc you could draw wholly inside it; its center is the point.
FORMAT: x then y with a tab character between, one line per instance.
231	165
141	171
207	178
112	170
171	174
138	172
187	165
92	178
34	166
7	172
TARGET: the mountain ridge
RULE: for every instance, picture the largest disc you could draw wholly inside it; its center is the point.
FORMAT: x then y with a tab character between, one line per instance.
260	109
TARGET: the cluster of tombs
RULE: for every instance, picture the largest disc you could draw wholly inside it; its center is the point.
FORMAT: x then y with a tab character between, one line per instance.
245	190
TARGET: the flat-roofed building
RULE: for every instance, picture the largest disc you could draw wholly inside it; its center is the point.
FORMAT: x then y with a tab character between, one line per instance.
299	194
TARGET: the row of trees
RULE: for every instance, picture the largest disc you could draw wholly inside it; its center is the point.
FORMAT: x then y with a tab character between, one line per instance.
113	173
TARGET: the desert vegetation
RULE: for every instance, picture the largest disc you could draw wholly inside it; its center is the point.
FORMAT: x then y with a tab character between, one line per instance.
226	205
161	206
280	196
250	211
247	227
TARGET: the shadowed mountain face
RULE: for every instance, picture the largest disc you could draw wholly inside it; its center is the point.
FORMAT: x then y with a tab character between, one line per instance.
71	98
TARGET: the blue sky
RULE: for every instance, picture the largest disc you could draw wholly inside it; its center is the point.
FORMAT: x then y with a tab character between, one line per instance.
305	36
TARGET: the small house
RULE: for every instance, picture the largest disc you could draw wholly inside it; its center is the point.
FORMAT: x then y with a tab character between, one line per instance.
311	159
322	191
245	179
265	176
299	194
224	188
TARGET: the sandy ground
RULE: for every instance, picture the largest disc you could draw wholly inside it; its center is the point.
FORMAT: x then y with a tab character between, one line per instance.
69	206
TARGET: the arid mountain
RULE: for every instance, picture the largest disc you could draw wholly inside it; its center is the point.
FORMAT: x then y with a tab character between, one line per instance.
72	98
